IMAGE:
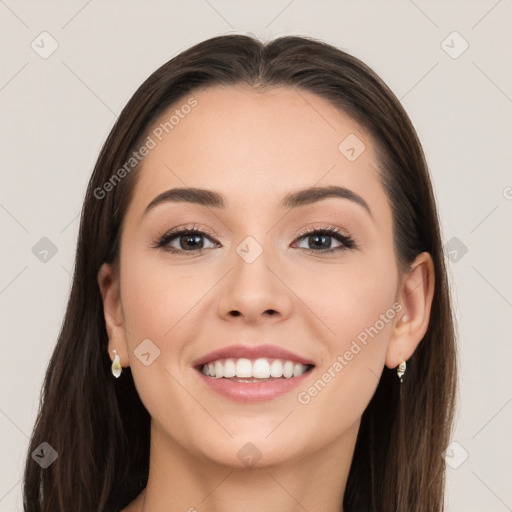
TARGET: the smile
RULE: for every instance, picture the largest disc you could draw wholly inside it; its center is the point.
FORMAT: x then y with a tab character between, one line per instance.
252	373
245	380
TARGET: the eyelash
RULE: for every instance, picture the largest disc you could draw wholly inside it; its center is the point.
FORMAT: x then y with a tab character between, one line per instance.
347	240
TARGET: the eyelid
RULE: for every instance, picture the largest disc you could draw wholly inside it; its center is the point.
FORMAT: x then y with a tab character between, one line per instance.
185	228
322	227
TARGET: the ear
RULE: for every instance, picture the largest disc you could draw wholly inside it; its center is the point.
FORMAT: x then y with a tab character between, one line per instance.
415	294
108	281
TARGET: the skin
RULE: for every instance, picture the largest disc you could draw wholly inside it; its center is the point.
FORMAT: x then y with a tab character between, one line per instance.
255	147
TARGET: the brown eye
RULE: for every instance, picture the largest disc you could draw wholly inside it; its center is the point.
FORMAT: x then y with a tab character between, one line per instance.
320	240
184	240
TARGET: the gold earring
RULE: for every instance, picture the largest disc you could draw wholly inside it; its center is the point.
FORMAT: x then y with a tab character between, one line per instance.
401	370
116	365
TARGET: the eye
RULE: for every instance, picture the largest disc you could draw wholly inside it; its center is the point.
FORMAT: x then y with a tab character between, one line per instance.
321	237
188	239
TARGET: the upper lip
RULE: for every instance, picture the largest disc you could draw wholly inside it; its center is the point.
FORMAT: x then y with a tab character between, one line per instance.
251	352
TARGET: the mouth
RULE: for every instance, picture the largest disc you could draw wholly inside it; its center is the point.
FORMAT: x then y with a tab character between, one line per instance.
247	373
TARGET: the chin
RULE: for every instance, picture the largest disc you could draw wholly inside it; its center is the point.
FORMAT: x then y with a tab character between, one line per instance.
250	452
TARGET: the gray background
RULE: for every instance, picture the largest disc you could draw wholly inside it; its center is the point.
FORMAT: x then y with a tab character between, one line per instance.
57	111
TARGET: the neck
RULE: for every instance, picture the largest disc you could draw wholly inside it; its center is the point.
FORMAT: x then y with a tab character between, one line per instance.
179	481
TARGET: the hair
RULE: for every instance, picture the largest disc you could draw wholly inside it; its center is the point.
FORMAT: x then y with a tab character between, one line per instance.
99	426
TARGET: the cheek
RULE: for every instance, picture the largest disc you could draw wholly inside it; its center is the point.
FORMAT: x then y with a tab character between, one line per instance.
355	309
158	306
157	296
153	304
347	298
360	309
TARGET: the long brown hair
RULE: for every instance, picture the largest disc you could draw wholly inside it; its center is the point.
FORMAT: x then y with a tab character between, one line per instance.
99	426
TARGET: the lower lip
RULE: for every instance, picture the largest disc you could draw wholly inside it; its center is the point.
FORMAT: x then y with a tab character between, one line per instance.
253	391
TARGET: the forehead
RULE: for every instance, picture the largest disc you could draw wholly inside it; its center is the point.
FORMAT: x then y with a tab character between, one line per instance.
256	146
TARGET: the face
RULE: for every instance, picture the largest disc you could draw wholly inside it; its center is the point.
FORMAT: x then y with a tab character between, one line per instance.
254	276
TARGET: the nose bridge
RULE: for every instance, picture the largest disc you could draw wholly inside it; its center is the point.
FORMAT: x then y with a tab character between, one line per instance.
252	262
252	288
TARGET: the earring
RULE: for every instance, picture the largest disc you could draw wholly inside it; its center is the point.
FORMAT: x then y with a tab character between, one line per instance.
401	370
116	365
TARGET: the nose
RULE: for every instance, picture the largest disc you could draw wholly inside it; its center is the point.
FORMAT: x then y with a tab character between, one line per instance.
254	292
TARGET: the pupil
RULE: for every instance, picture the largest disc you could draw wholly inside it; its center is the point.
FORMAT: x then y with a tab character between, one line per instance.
187	238
322	237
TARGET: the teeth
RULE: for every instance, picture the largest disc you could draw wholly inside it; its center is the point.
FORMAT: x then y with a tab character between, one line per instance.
261	368
288	369
298	369
219	370
243	368
229	369
276	368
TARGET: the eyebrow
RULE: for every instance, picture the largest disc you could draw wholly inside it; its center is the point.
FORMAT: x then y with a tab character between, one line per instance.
294	199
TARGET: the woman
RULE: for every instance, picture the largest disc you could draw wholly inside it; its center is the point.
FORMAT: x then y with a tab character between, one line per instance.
260	315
